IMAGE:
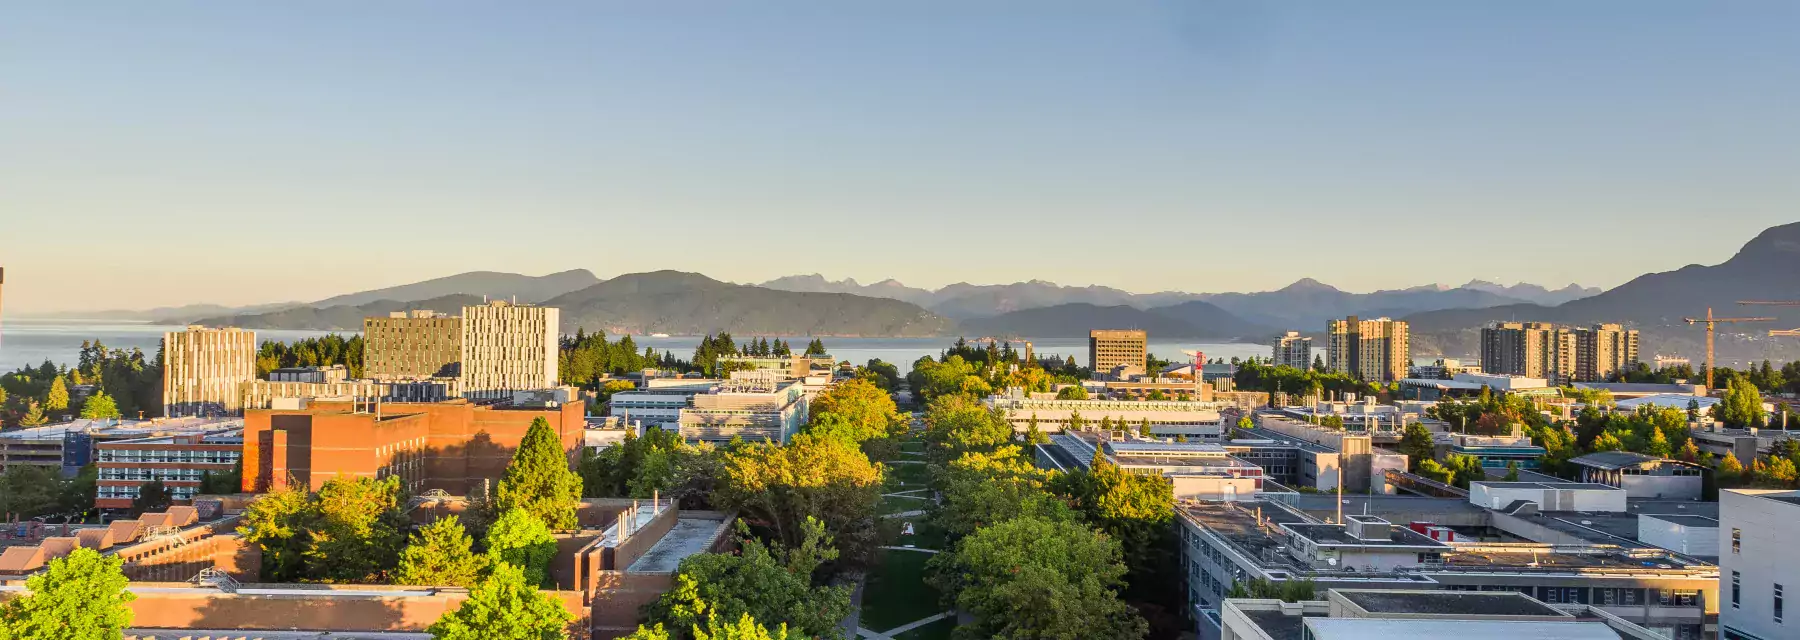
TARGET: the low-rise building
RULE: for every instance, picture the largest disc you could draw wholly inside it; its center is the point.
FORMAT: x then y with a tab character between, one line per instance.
1757	563
1467	385
1548	496
314	375
1168	418
1373	614
1197	471
755	406
180	461
1496	452
1642	476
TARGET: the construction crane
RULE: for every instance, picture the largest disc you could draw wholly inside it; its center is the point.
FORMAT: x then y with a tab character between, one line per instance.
1776	333
1710	321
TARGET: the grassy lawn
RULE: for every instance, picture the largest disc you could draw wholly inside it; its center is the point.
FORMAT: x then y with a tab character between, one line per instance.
901	477
897	504
925	534
896	592
939	630
915	446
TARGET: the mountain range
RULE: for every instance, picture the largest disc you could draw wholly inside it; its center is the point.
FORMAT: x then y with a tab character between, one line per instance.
1444	319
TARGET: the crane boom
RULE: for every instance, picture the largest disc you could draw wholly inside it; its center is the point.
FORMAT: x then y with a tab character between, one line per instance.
1710	321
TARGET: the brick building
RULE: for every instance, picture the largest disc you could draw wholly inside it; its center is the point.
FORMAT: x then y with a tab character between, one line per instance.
179	461
452	445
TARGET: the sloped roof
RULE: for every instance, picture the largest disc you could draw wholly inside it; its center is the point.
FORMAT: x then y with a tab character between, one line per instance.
97	538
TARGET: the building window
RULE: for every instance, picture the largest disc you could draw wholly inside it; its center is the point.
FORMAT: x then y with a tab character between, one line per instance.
1736	589
1778	603
1737	540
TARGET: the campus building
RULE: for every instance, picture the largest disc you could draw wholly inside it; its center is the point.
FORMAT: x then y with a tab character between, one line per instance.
1193	419
1293	350
411	345
1197	471
455	445
508	348
180	461
1364	614
1110	348
756	406
205	369
1757	563
1378	350
1603	350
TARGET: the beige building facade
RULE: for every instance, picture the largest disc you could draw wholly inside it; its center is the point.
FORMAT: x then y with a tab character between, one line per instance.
1603	350
1109	348
507	348
411	345
204	370
1378	350
1558	353
1292	350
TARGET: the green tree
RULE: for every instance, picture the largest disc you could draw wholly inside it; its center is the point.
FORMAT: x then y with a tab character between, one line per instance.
1246	423
357	532
276	523
441	554
982	488
1033	435
505	606
539	479
1286	590
152	496
1031	578
857	411
519	538
99	406
1138	510
28	491
1072	392
1512	471
1658	445
1730	472
1416	442
34	415
80	596
770	582
822	478
1741	407
58	397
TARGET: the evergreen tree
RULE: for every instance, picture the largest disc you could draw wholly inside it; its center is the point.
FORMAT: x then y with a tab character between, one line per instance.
1512	471
1659	444
441	554
504	606
1144	427
1032	434
99	406
34	415
58	397
539	479
80	596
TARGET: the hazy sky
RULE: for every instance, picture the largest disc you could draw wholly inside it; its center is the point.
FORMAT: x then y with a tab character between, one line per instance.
234	152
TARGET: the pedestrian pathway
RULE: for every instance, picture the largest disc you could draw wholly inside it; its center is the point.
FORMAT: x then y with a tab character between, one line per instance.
912	549
907	497
904	462
890	633
905	514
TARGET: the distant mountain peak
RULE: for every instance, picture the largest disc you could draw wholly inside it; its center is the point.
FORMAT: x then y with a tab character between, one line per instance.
1308	284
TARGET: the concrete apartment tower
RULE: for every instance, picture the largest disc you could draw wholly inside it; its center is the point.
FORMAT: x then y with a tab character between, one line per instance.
411	345
1603	350
1109	348
204	370
1530	349
1293	350
507	348
1378	350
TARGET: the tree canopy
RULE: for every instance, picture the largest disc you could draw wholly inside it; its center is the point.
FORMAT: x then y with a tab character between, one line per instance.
505	606
80	596
539	479
441	553
856	411
824	478
519	538
1033	578
772	583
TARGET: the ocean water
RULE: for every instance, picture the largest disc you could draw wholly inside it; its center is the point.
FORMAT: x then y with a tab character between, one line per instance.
32	341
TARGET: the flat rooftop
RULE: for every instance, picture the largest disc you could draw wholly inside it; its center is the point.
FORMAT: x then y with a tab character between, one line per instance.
1565	486
1685	520
1388	629
688	537
1337	535
1279	625
1490	603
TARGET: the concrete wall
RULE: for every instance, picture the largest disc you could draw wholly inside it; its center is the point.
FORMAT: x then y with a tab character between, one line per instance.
1696	541
1486	494
1663	487
1765	557
1211	488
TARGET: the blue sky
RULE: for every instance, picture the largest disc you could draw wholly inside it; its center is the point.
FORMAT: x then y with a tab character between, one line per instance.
237	152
